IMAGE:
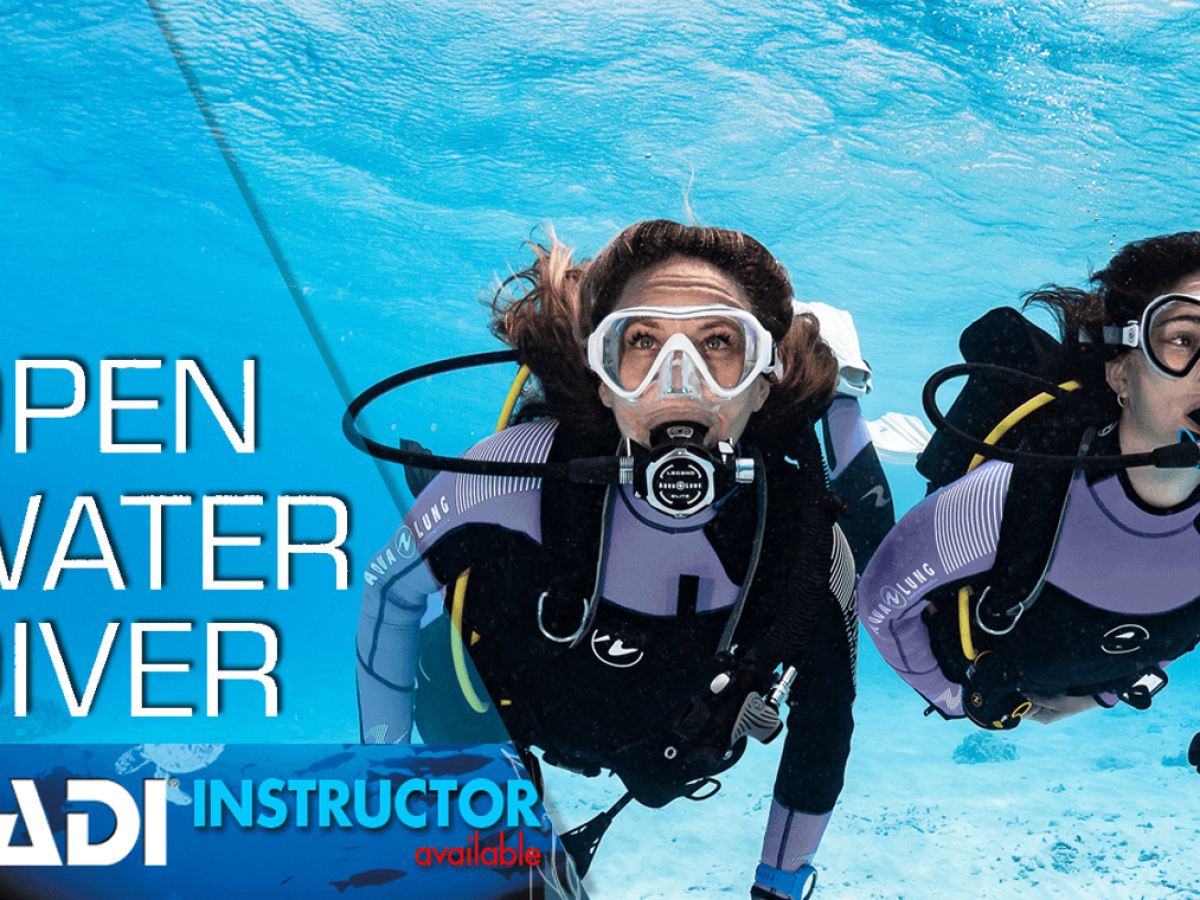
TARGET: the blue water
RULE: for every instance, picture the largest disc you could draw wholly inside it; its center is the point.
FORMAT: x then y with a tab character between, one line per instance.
914	163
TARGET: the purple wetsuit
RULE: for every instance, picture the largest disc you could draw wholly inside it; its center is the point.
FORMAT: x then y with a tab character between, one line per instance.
1123	584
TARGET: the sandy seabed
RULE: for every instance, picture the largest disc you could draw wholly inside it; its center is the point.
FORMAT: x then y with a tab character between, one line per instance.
1102	806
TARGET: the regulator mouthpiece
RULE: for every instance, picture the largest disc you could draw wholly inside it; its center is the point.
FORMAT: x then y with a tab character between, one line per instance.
679	476
1189	440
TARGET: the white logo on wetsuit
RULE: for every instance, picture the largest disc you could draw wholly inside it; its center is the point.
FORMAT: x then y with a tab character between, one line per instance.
431	519
879	492
1124	639
951	696
897	594
405	545
614	652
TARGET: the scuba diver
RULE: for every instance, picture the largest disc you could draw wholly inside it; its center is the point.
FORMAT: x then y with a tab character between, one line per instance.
1063	575
649	619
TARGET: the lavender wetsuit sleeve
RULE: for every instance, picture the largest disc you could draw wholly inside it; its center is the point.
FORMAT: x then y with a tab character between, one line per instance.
394	599
398	579
949	535
792	837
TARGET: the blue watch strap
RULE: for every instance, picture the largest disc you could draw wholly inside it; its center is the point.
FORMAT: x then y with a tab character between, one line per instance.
798	885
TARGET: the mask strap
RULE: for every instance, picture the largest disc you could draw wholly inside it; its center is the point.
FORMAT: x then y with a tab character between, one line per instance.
1126	335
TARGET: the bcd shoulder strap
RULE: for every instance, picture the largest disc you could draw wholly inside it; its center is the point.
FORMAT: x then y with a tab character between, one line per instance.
1034	507
1033	510
572	521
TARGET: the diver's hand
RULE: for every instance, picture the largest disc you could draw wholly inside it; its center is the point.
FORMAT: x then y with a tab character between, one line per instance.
773	884
990	698
1047	709
837	330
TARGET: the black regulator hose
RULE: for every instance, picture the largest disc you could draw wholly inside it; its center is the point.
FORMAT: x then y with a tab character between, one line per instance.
594	470
1184	455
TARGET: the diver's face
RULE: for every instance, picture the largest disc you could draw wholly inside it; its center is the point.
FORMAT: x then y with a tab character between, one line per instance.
682	281
1158	405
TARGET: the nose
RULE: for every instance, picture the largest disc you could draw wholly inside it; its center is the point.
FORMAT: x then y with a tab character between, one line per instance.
676	382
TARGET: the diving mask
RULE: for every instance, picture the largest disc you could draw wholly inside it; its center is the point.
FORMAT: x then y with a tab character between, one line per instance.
1168	334
683	349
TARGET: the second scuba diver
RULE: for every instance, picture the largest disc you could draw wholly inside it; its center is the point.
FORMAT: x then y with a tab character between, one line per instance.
1020	592
650	627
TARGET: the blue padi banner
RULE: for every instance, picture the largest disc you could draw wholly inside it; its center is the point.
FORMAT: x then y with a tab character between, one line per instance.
181	821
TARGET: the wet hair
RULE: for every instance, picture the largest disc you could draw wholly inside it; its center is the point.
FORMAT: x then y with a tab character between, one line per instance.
1119	293
537	311
547	310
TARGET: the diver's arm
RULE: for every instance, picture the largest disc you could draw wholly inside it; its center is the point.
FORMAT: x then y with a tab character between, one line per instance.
819	725
790	844
1048	709
856	476
399	578
890	604
389	622
854	465
949	535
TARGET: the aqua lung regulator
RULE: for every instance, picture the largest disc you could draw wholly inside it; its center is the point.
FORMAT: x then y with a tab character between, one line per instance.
677	474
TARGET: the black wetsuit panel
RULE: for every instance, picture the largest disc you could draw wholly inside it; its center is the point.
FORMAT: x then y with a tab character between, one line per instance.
1062	642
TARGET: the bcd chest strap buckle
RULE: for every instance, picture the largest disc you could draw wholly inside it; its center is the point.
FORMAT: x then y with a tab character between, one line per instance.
1141	691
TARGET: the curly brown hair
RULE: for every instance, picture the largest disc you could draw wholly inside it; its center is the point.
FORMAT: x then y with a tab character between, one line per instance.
1137	273
547	310
1121	291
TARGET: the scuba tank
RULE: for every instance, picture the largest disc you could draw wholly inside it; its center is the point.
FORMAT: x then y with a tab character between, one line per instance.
1002	337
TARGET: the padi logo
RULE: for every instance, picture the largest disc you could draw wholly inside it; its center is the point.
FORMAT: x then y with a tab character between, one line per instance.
405	545
43	851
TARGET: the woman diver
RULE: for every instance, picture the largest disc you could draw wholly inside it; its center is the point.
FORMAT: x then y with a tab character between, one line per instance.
1020	593
641	627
